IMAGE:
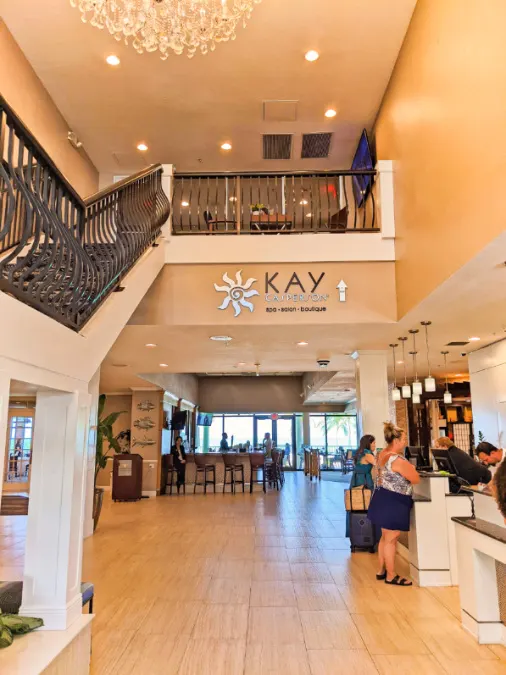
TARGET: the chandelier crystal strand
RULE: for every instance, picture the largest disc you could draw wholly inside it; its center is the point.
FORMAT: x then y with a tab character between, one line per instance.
168	25
406	389
396	392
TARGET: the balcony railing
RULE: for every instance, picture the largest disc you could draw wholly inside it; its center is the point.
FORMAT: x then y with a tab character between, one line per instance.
274	203
58	253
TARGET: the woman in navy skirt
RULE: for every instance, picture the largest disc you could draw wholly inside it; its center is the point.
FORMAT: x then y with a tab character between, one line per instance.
392	501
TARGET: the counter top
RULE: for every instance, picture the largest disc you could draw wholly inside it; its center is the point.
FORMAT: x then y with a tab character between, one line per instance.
483	527
435	474
476	490
421	498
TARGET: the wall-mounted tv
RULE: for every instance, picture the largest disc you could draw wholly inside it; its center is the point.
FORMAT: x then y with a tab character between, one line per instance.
363	161
204	419
179	420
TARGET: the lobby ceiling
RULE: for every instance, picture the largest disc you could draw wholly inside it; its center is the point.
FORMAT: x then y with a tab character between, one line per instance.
185	109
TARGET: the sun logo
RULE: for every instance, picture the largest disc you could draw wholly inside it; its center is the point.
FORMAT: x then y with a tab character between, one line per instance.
237	292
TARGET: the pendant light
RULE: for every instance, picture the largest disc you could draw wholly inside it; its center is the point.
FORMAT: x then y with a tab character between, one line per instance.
417	385
447	398
430	382
396	392
406	389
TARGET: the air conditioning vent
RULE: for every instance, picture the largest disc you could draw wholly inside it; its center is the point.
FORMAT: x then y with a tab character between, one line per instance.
277	146
458	344
315	146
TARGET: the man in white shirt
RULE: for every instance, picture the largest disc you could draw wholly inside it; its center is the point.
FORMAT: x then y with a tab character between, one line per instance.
490	455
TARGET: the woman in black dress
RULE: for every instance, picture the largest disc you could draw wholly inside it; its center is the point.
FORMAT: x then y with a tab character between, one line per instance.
179	457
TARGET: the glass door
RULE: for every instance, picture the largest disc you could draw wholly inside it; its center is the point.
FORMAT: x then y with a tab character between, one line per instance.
284	437
263	424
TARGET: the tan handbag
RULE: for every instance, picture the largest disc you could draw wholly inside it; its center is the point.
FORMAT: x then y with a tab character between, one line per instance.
357	498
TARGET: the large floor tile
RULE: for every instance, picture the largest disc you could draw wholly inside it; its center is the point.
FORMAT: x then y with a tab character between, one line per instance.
388	634
272	594
213	657
318	596
330	629
333	661
228	592
267	659
403	664
221	622
275	626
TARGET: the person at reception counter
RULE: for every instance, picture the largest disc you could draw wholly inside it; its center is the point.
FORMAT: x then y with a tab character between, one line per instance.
392	501
224	447
465	466
498	488
179	458
490	455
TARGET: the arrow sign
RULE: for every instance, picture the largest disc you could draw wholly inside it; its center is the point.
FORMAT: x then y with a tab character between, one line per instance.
341	287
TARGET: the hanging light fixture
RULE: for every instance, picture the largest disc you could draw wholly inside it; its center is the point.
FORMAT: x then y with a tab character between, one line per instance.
430	382
168	25
447	398
396	392
417	385
416	398
406	389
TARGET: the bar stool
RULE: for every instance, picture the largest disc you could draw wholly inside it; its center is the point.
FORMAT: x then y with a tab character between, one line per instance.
169	471
233	465
272	470
203	467
257	464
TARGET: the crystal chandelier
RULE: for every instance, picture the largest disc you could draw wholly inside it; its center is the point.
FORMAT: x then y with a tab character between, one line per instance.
168	25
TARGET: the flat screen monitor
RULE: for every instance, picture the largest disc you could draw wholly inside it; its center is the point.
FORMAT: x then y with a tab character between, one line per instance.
205	419
363	161
442	459
417	457
179	420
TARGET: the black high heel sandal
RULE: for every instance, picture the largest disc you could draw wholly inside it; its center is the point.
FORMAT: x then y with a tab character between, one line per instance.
381	577
397	581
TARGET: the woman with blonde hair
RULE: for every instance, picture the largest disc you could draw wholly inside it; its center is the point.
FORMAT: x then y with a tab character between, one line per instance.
392	501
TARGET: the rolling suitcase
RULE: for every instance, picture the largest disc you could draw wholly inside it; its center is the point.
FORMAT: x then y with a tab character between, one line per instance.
362	532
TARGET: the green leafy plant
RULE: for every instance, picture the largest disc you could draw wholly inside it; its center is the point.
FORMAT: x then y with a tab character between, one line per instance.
257	207
481	437
105	433
12	624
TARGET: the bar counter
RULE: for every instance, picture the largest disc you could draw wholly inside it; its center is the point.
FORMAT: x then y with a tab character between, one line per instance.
216	458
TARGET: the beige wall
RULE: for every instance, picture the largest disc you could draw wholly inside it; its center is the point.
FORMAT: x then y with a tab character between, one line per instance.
442	123
179	385
255	394
151	452
24	92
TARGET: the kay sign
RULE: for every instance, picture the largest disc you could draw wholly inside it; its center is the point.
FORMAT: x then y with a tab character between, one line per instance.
287	291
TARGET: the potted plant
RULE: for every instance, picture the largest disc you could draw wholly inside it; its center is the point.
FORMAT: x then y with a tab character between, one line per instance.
257	209
104	433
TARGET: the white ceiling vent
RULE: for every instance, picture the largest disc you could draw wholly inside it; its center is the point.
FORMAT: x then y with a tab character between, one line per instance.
315	146
280	111
277	146
130	160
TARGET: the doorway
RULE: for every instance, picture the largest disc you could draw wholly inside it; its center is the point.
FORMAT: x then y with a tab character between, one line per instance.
18	455
282	431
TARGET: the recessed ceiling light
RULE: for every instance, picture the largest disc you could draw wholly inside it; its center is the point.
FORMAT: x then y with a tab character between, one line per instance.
302	343
164	365
113	60
330	112
142	147
303	202
185	204
474	339
311	55
150	344
400	363
119	365
458	374
226	146
220	338
241	363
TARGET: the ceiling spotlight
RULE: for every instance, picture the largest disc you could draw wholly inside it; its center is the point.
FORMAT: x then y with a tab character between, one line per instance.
226	146
474	339
302	343
303	202
142	147
220	338
185	204
330	112
311	55
241	363
150	344
164	365
232	199
113	60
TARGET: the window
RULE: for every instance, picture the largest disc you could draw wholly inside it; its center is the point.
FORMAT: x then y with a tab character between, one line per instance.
240	427
215	431
331	433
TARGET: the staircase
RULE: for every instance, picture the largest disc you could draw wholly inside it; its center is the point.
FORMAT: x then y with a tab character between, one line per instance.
58	253
14	504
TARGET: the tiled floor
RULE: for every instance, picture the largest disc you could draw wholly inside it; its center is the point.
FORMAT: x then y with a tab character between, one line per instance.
257	585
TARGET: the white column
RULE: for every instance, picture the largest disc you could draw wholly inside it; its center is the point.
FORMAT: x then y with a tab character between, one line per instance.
167	186
54	538
372	393
385	197
5	383
91	436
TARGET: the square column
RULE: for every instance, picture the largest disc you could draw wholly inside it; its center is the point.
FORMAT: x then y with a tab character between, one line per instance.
54	538
93	388
5	383
372	393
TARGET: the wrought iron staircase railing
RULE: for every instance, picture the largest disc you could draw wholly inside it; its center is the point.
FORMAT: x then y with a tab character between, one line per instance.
58	253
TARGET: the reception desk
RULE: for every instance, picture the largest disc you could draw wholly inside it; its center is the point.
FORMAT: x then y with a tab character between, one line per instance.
481	550
430	547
